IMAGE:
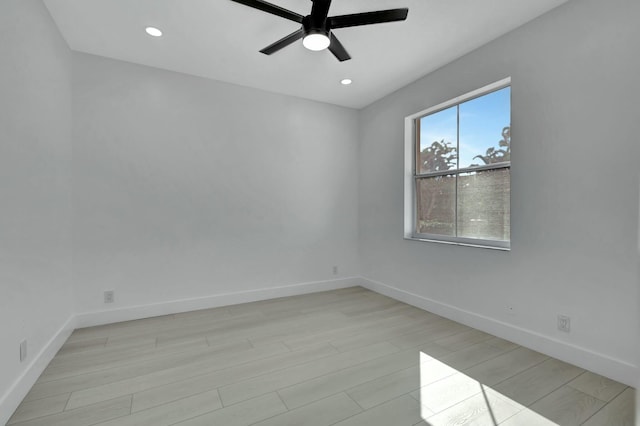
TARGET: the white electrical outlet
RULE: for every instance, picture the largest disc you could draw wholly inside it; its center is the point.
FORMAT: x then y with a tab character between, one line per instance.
564	323
23	350
335	270
109	296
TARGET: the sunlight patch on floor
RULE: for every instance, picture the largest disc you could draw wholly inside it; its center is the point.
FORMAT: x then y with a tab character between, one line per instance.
449	397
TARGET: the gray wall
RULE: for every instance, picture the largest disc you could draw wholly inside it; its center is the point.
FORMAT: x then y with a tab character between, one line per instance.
35	185
186	187
575	133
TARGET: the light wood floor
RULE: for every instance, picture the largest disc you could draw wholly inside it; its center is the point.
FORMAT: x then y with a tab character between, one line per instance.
346	357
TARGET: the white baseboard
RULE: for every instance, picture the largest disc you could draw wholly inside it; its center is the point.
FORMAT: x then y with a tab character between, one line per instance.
604	365
598	363
19	389
89	319
16	393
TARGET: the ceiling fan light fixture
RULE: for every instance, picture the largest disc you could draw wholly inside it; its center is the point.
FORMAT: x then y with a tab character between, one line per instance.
316	41
317	27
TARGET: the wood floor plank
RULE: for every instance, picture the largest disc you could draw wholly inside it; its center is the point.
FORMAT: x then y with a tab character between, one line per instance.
435	331
359	308
207	381
433	371
369	337
120	358
300	328
85	416
528	417
597	386
138	383
346	357
83	345
567	406
122	328
274	328
324	412
192	361
504	366
484	408
621	411
538	381
403	411
181	341
394	385
445	393
270	382
40	408
471	355
346	330
462	340
242	414
329	384
246	327
385	388
502	344
123	348
172	412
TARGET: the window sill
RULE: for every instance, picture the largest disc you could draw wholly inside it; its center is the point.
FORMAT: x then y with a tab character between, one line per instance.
480	244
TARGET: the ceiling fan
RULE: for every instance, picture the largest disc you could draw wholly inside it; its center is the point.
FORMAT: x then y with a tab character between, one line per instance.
316	32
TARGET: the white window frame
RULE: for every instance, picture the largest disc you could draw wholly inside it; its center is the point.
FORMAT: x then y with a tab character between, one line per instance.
410	196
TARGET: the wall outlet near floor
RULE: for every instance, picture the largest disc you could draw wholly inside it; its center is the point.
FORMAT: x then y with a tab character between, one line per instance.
564	323
335	270
23	350
109	296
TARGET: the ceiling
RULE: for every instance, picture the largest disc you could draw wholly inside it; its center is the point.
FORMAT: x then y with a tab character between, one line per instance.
221	39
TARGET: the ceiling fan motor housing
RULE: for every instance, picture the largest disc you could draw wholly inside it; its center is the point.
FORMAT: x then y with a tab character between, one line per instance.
315	26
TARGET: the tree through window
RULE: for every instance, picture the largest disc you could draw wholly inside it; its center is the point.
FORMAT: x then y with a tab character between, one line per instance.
462	169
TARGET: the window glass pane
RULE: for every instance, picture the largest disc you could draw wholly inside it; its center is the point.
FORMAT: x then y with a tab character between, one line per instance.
438	141
436	198
485	129
484	204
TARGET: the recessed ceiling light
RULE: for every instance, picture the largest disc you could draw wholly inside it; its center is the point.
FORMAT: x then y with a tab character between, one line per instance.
153	31
346	81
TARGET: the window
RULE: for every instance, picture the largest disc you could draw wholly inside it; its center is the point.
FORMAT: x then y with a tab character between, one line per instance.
458	170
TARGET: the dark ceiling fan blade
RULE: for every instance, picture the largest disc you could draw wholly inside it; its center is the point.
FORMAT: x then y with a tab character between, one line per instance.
283	42
273	9
338	49
320	10
368	18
